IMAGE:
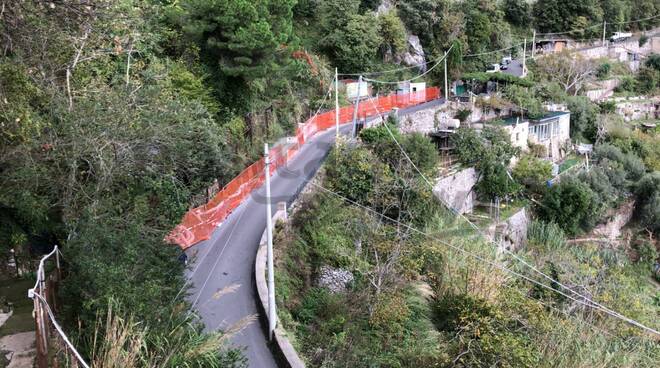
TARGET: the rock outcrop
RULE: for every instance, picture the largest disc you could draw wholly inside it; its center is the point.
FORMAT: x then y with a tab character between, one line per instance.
415	55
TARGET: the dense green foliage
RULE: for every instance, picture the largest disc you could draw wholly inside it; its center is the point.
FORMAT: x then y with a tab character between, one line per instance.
413	301
532	172
490	153
117	115
571	205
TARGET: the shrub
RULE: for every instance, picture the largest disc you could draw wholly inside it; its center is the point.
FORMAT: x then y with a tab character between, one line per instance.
468	145
627	84
532	172
537	150
475	325
353	170
390	311
462	115
607	107
603	70
599	182
571	205
648	201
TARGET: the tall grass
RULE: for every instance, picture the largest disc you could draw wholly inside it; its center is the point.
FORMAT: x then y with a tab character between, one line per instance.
547	236
121	342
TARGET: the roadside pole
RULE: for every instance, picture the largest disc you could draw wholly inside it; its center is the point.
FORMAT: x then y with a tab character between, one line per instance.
533	44
524	66
272	316
446	88
356	107
336	105
604	30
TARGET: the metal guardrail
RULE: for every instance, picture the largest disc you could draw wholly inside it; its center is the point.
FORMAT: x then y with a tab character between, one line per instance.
44	317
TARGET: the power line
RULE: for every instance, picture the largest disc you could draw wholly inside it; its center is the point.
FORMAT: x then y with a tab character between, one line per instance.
414	78
596	25
475	227
494	51
199	263
390	70
476	256
637	20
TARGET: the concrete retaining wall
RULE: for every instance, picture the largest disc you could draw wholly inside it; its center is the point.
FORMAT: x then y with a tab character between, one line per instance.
510	234
456	190
283	350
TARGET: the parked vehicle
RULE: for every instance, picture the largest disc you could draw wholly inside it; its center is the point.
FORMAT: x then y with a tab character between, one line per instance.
506	60
493	68
620	36
504	66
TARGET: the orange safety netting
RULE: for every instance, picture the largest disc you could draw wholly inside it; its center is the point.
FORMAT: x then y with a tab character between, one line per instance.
198	223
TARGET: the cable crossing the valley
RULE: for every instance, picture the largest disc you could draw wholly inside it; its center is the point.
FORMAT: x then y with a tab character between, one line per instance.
593	304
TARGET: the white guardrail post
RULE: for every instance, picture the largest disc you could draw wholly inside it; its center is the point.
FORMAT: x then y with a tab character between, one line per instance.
39	295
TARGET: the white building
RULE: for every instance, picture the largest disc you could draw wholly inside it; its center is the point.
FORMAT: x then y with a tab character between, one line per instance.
551	131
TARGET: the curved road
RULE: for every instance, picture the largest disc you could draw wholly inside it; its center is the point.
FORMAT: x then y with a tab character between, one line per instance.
222	268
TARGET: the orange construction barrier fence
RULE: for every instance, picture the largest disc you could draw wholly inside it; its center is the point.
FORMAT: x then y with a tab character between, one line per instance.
198	223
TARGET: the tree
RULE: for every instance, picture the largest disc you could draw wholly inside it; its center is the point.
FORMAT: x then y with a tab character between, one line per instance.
468	146
565	15
571	205
422	17
571	71
490	153
351	39
518	12
419	148
393	33
524	98
615	11
584	116
243	38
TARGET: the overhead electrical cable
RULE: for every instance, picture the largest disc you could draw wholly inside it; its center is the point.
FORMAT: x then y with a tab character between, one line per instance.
592	304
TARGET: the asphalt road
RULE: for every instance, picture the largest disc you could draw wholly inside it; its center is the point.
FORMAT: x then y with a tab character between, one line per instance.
226	261
515	68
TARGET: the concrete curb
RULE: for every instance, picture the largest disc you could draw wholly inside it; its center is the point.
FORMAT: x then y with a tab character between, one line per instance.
283	350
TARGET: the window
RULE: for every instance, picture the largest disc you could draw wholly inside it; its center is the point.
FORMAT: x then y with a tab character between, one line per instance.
541	131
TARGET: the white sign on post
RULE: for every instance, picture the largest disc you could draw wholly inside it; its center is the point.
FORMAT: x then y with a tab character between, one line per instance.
352	90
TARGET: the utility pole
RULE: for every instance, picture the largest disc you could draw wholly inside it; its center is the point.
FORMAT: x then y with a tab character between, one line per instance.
272	316
446	88
356	107
533	44
337	105
604	30
524	65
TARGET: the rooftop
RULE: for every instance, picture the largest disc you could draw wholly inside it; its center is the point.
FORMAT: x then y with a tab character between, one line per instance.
551	114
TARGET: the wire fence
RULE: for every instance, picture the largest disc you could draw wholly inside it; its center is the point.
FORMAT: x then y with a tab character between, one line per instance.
52	344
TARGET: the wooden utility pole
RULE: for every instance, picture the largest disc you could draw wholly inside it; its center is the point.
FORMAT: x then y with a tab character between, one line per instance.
272	315
604	30
533	44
